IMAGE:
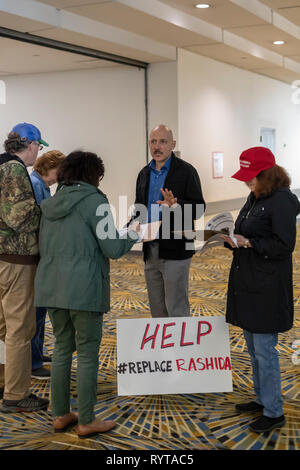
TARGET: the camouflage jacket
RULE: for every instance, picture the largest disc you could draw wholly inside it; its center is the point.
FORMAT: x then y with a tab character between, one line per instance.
19	213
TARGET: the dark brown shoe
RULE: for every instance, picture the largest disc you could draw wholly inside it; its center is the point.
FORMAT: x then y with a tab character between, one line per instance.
62	423
96	426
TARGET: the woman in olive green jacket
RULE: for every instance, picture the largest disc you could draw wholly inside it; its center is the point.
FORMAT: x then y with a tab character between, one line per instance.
77	238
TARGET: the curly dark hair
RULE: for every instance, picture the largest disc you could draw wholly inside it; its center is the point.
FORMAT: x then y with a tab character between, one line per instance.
271	179
81	166
15	143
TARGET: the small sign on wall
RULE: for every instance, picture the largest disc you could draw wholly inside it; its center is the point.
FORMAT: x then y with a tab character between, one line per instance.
173	355
217	164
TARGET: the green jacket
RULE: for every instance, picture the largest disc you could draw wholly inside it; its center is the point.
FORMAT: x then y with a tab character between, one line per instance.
19	213
77	238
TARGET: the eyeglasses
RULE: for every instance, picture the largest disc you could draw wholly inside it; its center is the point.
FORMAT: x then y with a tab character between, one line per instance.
37	143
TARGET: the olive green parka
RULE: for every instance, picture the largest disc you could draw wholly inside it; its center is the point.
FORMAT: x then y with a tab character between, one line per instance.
77	238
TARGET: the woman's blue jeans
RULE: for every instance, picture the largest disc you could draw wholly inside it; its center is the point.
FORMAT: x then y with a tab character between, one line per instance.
266	371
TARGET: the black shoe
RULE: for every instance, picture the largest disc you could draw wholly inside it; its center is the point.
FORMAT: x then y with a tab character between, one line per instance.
47	359
41	374
1	392
265	424
249	407
30	403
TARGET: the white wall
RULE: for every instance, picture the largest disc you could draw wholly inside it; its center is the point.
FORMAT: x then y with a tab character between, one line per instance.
99	110
222	108
162	96
210	106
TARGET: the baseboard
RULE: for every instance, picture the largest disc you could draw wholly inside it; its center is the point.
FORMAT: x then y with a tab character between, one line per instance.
224	206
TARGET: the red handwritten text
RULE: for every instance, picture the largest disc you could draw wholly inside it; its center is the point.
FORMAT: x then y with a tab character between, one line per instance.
206	363
204	328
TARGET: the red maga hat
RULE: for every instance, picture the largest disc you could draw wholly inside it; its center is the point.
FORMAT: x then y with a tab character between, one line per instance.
253	161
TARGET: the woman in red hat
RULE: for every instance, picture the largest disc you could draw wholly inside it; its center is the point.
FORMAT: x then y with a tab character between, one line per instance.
260	290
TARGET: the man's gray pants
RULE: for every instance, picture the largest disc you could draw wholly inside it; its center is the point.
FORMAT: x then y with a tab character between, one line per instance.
167	283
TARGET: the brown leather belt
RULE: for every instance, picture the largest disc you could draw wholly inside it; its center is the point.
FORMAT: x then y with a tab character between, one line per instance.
20	259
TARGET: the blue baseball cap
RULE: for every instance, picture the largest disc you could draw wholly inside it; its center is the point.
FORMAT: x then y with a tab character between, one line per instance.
29	132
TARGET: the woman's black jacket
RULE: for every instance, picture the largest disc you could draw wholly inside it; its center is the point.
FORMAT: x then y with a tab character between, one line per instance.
260	290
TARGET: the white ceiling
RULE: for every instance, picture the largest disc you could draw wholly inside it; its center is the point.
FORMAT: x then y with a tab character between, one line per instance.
16	58
238	32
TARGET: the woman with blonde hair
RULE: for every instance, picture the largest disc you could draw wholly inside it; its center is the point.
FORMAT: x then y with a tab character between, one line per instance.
44	175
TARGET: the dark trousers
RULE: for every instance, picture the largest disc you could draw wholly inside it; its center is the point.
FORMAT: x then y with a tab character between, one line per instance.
37	342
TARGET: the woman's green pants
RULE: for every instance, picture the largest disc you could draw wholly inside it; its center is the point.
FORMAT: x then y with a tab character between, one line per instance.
75	330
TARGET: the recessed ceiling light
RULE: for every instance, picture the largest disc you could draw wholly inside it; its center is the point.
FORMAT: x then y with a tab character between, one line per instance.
278	43
202	5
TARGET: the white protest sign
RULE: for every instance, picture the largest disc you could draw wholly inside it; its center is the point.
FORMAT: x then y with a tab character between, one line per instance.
173	355
2	352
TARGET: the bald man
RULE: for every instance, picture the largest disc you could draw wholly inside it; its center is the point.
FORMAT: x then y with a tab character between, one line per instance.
170	188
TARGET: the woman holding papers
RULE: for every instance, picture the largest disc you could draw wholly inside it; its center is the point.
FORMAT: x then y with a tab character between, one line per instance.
77	238
260	291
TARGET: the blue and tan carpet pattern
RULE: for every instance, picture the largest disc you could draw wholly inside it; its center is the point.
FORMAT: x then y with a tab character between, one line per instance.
169	422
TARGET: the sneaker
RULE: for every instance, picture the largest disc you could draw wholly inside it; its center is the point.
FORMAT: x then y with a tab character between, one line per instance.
41	374
265	424
249	407
47	359
30	403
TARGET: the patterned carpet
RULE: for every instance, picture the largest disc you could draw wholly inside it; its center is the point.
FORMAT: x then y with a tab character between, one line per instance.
169	422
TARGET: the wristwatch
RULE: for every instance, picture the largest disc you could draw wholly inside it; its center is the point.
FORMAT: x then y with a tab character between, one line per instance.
246	244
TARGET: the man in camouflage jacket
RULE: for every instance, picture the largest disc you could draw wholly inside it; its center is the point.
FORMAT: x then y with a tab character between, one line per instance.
19	213
19	224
